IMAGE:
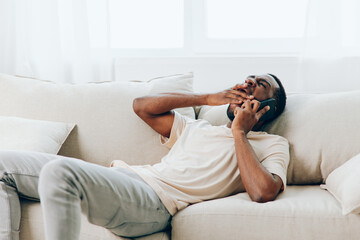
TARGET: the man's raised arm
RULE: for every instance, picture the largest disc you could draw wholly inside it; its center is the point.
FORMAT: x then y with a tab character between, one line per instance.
156	111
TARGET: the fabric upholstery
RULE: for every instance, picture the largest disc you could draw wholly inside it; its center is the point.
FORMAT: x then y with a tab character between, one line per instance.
321	129
32	226
33	135
107	127
216	115
301	212
322	132
344	184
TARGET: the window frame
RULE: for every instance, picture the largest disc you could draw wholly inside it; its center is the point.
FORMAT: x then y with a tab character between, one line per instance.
248	46
197	44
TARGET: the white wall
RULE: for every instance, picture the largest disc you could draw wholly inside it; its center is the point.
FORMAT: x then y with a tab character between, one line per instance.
210	73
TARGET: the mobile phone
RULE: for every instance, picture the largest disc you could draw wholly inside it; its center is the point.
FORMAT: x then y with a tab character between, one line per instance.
271	112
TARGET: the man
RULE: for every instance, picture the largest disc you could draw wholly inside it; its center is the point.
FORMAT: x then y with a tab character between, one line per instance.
204	162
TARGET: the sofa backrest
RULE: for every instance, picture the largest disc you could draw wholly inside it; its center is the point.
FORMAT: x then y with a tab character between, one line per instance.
106	126
323	131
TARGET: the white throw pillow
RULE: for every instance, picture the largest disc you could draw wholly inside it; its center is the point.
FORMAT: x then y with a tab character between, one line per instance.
32	135
179	83
106	126
344	184
216	115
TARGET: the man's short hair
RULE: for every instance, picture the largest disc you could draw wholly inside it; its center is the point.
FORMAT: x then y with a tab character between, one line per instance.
279	96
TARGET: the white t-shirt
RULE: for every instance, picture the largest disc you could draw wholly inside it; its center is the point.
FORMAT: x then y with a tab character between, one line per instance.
202	164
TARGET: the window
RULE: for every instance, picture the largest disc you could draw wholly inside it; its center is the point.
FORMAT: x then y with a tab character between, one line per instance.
146	24
256	26
237	19
197	26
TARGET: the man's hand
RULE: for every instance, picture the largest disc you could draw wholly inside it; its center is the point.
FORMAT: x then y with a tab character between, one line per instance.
232	95
247	116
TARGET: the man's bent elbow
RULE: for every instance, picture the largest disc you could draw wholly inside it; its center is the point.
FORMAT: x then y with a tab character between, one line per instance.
137	106
265	196
267	191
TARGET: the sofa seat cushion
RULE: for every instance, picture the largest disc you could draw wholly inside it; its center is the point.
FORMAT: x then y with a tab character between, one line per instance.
32	226
301	212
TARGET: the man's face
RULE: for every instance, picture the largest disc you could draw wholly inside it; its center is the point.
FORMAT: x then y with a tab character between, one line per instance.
262	87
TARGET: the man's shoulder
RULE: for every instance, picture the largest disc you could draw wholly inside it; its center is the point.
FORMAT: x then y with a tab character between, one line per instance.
270	145
189	120
264	136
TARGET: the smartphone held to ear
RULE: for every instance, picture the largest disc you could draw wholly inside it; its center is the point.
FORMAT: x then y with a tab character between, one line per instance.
271	112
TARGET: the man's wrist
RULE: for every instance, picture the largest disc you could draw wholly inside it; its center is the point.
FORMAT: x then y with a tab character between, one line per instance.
239	133
205	99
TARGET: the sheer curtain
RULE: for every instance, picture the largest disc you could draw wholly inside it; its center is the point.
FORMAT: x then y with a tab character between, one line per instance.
50	39
330	58
55	40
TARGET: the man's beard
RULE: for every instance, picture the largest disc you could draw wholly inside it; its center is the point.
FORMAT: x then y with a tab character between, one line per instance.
230	113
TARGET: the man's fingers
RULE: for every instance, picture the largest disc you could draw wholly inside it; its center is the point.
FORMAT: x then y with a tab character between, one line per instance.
239	93
240	86
240	96
247	104
236	111
233	98
256	105
260	113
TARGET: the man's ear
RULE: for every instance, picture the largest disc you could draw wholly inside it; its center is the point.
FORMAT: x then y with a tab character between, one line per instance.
276	105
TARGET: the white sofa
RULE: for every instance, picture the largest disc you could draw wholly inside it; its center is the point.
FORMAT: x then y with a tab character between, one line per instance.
322	129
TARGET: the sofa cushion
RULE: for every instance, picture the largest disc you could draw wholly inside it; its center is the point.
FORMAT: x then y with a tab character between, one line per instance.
301	212
321	129
322	132
33	135
107	127
344	184
32	226
216	115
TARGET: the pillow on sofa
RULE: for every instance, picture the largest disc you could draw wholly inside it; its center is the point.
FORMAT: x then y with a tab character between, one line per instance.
180	83
106	126
344	184
33	135
216	115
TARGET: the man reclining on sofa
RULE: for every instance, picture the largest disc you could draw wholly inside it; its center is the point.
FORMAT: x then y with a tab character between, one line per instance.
204	162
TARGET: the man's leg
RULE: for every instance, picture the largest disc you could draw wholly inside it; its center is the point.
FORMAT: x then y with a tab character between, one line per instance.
19	172
122	203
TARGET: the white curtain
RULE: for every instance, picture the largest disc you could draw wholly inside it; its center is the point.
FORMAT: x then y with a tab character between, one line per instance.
50	40
330	58
58	41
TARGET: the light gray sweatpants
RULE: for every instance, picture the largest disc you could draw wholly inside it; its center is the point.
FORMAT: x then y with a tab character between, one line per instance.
116	199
